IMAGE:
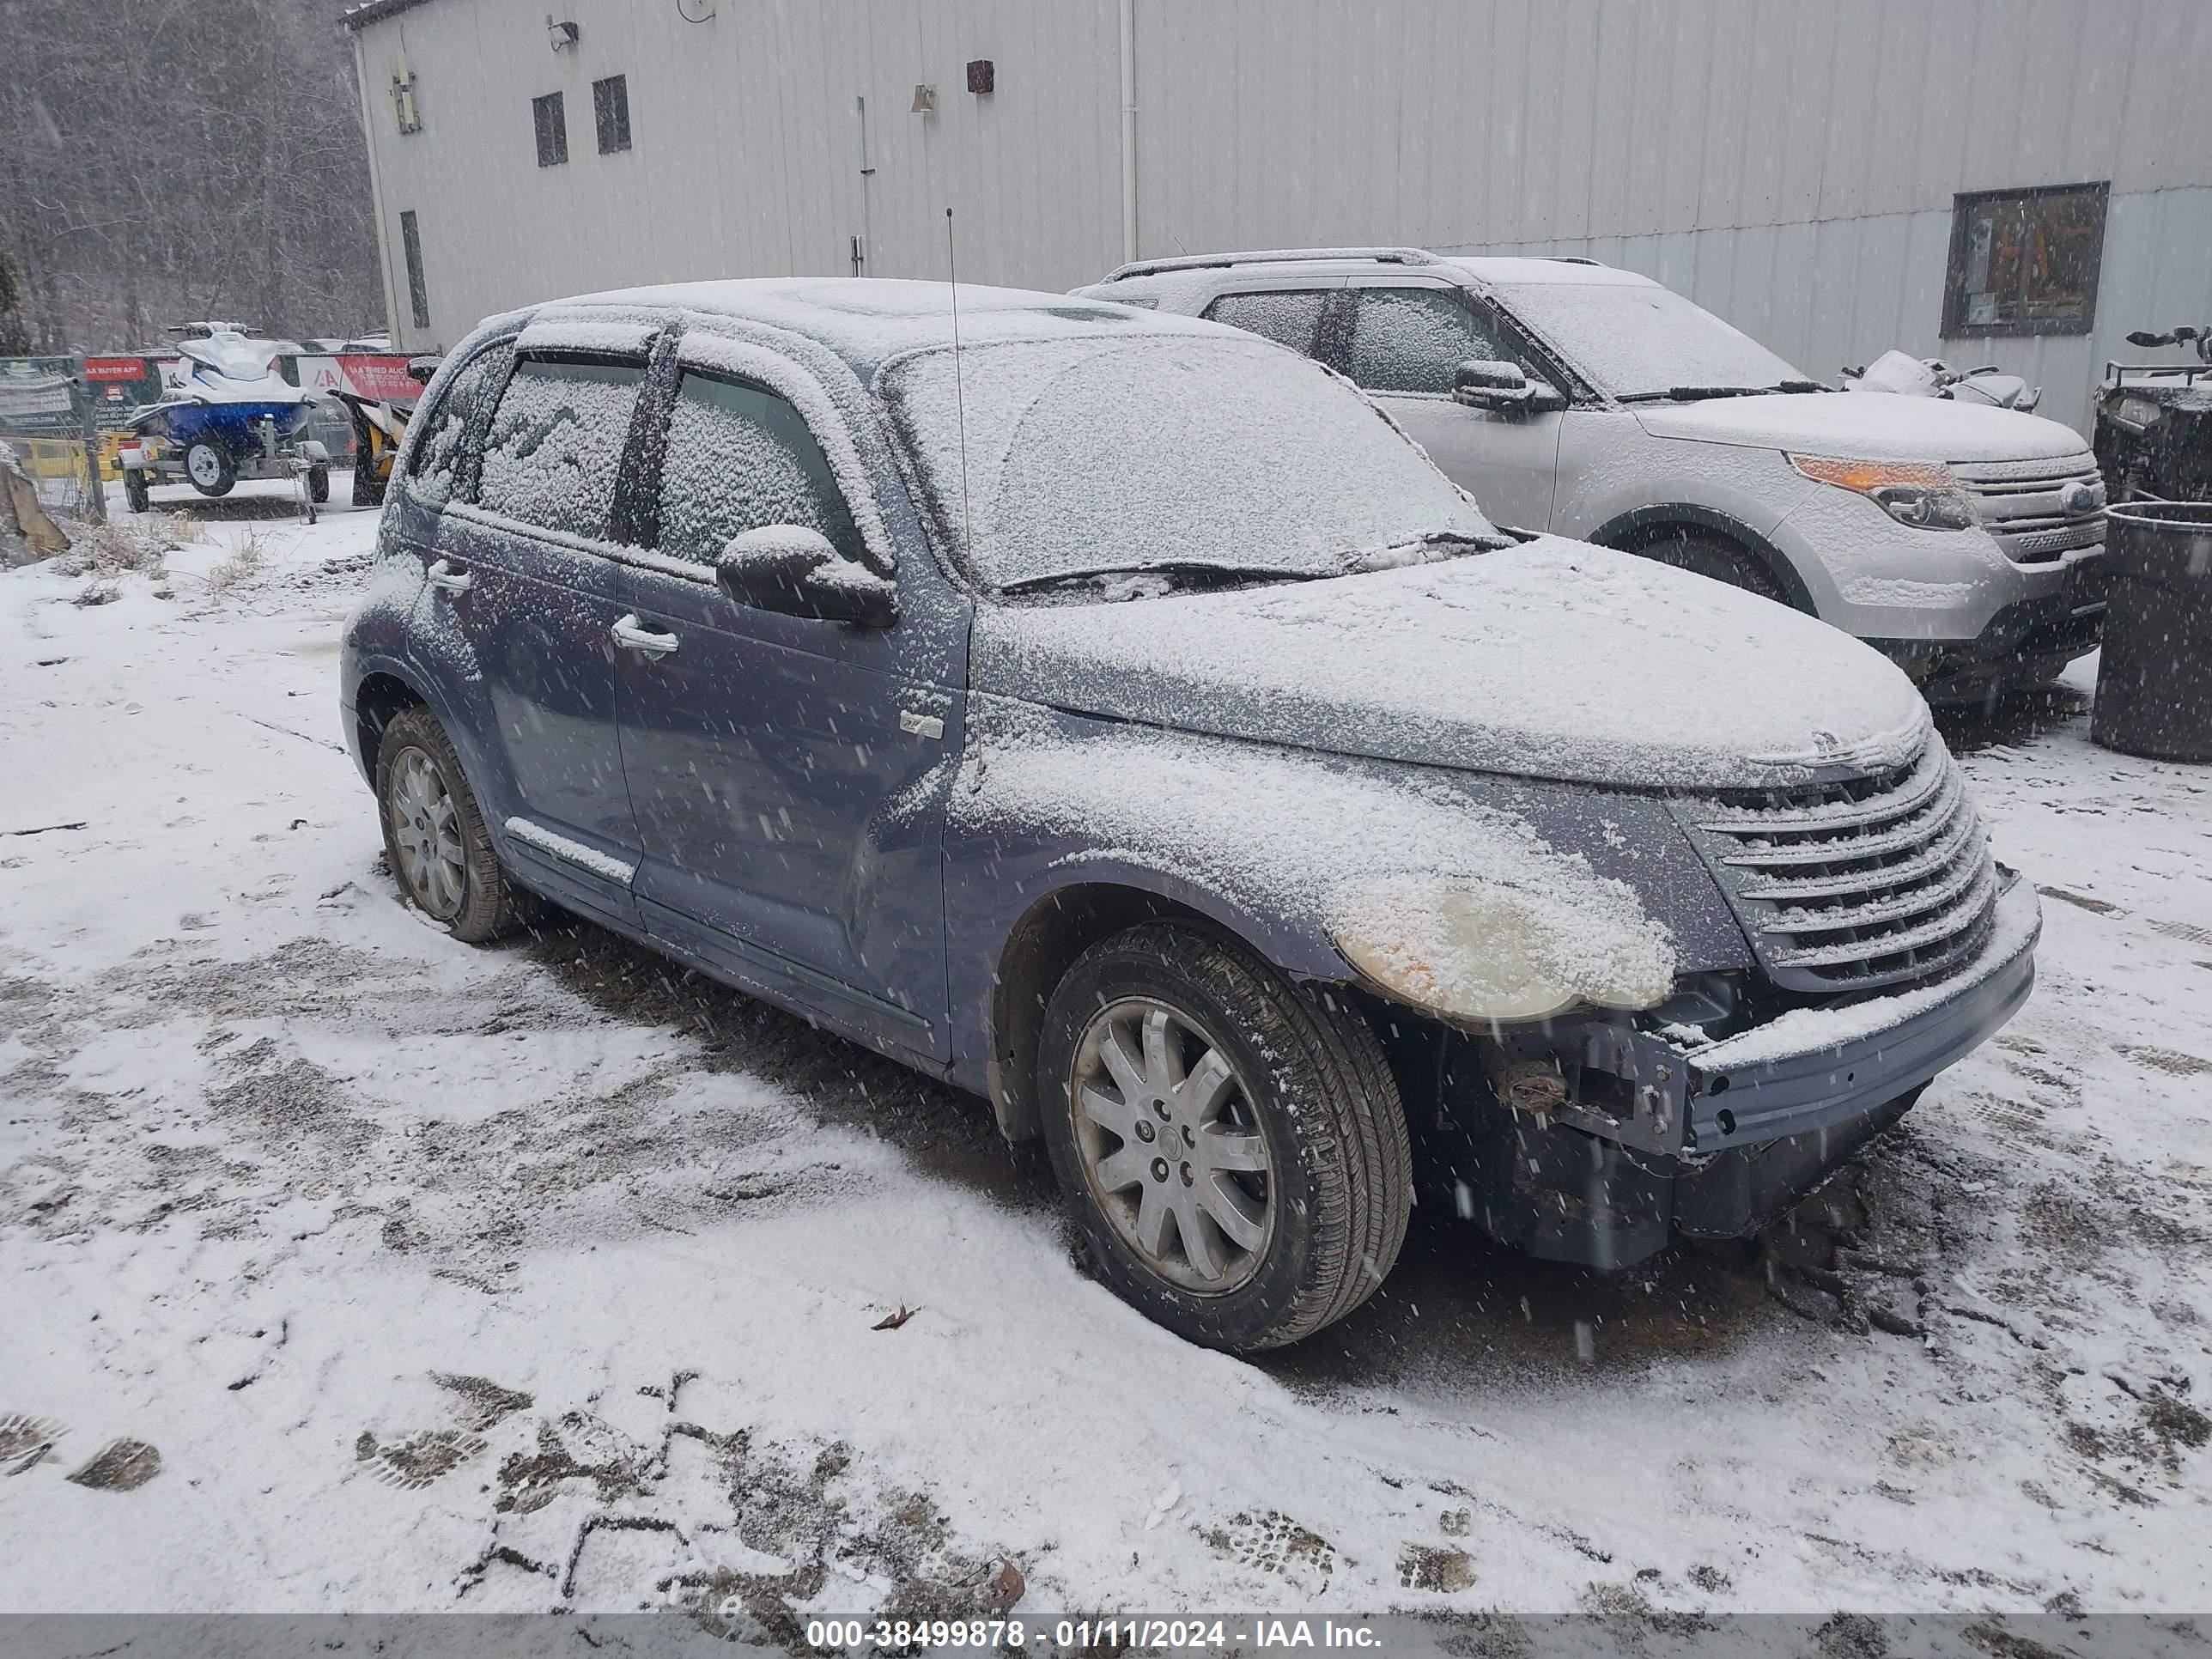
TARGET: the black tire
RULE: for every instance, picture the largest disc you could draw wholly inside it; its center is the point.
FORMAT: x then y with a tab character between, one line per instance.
1706	555
1309	1080
223	471
488	904
319	485
137	494
367	488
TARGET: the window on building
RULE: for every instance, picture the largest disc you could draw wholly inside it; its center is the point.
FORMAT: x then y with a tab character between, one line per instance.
1414	339
556	444
740	458
2025	261
1289	316
610	109
418	289
548	115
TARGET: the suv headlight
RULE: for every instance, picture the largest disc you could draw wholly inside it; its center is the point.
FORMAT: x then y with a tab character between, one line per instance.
1924	494
1494	953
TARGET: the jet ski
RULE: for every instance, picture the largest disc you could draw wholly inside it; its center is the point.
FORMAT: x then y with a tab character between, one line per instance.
227	412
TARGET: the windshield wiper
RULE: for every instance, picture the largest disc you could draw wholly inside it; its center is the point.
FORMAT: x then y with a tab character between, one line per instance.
1204	568
1691	394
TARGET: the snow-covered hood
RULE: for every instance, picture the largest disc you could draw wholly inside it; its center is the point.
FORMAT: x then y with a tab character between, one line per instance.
1865	426
1551	660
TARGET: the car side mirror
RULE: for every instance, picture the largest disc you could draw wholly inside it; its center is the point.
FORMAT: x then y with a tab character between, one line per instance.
795	572
1501	388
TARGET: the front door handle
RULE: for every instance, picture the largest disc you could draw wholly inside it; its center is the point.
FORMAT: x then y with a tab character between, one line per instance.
442	574
633	636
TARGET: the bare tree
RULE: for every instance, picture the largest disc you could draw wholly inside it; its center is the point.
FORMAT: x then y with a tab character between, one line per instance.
172	159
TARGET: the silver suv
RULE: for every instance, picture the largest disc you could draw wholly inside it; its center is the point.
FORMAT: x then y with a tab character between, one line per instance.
1965	542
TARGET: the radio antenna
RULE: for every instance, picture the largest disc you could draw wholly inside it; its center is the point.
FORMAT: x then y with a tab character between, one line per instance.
959	392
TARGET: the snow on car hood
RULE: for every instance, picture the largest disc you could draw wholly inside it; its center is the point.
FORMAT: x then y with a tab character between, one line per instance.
1551	660
1865	426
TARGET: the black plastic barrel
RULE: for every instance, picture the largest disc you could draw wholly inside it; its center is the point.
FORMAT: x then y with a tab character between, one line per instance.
2155	682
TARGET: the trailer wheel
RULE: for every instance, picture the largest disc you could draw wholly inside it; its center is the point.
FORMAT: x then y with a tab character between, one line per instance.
319	485
209	468
137	494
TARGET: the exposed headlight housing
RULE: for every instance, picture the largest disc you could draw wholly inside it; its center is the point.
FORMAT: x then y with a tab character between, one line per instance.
1922	494
1465	951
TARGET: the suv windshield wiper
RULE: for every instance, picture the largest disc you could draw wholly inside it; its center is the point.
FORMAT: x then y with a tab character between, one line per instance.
1690	394
1201	568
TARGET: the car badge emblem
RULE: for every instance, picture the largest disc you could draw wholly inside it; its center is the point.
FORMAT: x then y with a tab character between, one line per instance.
2079	498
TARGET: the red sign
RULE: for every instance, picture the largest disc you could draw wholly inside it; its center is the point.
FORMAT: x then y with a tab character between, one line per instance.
115	368
380	377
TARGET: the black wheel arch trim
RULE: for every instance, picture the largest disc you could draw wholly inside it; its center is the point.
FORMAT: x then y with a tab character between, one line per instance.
1633	529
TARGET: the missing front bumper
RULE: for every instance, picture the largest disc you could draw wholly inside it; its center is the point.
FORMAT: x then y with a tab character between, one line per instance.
1715	1141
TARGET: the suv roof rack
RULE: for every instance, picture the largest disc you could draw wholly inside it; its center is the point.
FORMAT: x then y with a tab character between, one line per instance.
1388	256
1572	259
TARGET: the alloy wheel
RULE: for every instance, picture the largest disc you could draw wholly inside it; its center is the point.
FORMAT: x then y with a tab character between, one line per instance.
1170	1148
426	832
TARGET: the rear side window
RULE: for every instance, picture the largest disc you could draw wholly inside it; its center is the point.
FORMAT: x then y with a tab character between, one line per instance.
556	444
440	452
1414	339
1291	318
738	458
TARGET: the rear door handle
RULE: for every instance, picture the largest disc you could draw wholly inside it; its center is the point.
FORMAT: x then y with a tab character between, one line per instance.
442	574
633	636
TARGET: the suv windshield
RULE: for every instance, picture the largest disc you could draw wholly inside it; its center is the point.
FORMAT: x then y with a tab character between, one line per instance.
1158	452
1642	340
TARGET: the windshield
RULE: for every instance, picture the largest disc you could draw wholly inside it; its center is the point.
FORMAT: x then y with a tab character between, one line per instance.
1643	339
1155	450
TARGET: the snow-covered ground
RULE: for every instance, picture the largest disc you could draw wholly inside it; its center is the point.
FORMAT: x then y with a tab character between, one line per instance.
545	1275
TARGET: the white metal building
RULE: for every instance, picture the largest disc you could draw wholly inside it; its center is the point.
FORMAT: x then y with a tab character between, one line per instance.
1834	176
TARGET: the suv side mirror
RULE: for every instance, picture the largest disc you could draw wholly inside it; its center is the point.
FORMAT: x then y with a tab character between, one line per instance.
1501	388
795	572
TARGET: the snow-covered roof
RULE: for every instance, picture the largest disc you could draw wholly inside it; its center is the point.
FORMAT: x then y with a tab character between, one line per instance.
866	320
1519	269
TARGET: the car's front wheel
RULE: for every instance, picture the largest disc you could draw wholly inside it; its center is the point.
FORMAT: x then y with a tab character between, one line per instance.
1232	1145
434	836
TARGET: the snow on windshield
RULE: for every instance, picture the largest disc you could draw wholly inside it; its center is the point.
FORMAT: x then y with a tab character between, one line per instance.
1641	337
1106	452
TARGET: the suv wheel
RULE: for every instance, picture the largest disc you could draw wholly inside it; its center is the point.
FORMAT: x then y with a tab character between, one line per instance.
1716	557
435	837
1231	1145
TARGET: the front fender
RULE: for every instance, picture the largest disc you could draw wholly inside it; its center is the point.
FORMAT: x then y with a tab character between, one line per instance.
1270	841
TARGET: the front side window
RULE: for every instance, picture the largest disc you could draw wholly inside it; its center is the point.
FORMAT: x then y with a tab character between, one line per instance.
1414	339
740	457
551	119
441	448
1099	452
2025	261
1289	316
556	444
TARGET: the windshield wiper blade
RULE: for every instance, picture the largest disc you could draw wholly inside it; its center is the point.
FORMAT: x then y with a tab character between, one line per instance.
1690	394
1167	568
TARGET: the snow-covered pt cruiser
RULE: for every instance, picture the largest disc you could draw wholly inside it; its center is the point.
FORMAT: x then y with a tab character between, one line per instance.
1116	716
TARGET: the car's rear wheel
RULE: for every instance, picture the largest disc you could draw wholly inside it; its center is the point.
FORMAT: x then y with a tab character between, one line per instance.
1717	557
435	837
1231	1145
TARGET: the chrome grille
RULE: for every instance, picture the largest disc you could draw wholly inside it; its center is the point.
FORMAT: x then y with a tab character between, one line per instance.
2025	504
1849	887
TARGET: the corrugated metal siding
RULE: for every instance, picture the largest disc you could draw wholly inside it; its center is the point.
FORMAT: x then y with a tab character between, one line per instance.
1729	141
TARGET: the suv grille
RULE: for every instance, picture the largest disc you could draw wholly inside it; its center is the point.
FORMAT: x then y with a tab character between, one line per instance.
1847	887
2025	505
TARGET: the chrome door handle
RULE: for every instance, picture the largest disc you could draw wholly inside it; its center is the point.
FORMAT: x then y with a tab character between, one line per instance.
442	574
633	636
